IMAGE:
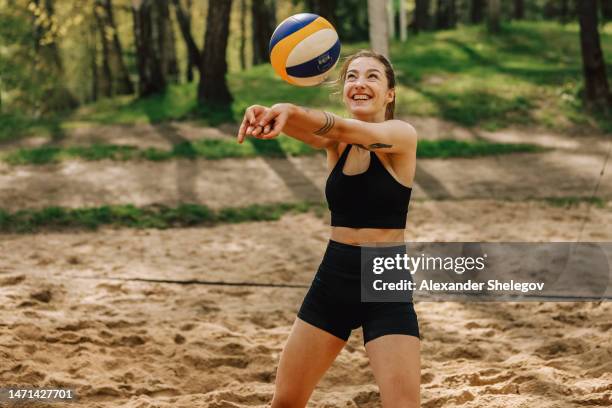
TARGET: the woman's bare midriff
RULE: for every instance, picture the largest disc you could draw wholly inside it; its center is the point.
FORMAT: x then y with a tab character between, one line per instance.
357	236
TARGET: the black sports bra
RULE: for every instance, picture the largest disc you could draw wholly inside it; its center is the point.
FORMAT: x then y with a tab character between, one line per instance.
372	199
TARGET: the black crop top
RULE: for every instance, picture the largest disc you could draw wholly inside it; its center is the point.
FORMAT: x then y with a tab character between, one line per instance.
372	199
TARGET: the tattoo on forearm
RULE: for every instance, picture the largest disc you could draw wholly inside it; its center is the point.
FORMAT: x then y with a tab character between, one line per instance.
329	123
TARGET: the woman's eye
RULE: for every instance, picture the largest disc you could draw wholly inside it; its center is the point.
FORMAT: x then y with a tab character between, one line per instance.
373	76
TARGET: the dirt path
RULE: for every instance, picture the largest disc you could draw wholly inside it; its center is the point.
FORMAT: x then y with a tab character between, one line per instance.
571	169
239	182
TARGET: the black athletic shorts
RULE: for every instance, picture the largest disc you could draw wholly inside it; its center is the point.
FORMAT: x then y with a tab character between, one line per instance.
333	302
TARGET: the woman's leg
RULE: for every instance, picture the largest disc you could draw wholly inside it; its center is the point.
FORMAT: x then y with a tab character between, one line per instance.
307	355
396	362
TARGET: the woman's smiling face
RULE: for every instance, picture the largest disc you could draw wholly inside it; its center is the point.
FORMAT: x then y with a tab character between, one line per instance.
366	92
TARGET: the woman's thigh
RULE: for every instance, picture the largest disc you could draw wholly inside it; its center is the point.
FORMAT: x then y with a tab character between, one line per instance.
307	355
396	362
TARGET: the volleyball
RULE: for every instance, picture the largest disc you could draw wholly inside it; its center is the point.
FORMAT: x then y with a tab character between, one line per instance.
304	49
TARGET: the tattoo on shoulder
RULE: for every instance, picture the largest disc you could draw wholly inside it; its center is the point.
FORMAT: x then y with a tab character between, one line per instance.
329	123
375	146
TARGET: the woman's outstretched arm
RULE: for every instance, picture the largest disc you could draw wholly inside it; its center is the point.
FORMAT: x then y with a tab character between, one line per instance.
391	136
256	112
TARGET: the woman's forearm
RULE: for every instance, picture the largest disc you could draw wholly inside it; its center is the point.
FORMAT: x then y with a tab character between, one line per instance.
319	124
300	127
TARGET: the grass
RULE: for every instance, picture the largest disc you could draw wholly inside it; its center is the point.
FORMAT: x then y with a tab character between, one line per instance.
184	215
454	148
530	74
517	77
15	126
573	201
221	149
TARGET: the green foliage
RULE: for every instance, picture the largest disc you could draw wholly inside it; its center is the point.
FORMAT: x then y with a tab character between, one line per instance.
464	75
213	149
530	74
15	126
155	216
475	79
30	66
54	154
456	148
176	103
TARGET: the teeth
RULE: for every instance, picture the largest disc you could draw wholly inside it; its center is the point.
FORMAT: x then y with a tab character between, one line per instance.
361	97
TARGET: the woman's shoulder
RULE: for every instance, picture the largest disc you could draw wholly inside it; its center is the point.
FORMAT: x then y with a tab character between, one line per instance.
404	126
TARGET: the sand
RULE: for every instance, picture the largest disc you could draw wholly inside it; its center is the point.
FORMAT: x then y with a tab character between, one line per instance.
73	315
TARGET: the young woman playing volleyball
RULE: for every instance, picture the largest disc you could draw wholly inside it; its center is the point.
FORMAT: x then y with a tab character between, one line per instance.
372	160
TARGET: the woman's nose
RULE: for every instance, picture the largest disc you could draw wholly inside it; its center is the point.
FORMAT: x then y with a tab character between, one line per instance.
358	83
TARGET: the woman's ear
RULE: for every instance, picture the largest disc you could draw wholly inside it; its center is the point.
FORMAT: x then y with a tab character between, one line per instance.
390	95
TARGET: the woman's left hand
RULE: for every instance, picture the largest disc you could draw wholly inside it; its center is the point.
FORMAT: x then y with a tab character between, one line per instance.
264	123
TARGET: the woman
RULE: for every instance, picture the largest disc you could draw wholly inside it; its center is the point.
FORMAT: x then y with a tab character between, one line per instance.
372	162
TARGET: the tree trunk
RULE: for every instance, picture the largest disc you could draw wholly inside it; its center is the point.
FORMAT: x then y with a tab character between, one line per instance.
519	9
402	21
194	56
47	50
564	11
493	16
120	78
597	91
379	37
212	89
146	36
445	14
191	63
391	18
606	9
55	95
264	23
327	10
167	46
421	16
243	16
93	62
477	8
323	8
105	80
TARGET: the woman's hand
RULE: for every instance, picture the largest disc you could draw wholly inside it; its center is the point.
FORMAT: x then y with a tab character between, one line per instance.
264	123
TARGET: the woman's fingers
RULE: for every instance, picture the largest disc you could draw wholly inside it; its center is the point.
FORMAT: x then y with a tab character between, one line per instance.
277	128
261	122
259	131
267	117
254	111
247	126
243	130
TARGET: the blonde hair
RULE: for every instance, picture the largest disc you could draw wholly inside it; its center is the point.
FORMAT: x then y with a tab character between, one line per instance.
389	73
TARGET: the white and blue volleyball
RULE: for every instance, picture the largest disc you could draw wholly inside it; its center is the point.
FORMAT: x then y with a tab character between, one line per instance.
304	49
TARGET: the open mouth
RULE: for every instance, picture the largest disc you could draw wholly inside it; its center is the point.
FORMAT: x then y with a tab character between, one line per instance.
361	97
